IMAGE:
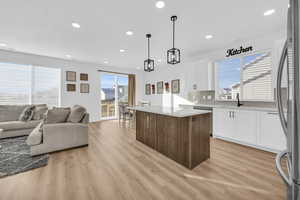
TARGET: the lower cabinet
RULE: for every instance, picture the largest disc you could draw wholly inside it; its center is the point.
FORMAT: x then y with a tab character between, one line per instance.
271	134
146	128
253	128
245	123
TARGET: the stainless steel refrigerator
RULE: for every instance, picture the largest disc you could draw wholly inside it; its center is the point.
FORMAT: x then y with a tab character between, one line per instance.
290	114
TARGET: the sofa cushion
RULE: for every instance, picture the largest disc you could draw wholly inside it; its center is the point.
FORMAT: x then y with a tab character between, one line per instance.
16	125
77	114
27	114
57	115
36	136
11	112
39	112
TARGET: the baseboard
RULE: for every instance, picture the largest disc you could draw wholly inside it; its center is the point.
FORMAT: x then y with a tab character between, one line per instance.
246	144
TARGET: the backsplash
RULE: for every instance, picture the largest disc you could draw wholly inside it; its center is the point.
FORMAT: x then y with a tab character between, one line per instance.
202	97
208	97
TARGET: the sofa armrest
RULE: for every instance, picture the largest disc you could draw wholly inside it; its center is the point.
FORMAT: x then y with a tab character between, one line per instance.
86	118
65	133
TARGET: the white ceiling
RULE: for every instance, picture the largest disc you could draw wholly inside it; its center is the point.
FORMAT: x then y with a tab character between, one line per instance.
44	27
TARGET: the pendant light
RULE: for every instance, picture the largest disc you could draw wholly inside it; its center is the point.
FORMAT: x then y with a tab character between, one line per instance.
149	63
173	54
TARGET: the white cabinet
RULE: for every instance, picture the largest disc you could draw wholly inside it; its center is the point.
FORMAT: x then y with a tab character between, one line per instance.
234	124
253	128
271	134
223	124
246	126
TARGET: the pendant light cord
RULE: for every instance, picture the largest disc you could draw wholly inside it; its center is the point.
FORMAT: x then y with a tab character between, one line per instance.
173	33
148	48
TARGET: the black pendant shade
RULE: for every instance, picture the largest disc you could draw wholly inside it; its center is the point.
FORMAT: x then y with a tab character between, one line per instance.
173	55
149	63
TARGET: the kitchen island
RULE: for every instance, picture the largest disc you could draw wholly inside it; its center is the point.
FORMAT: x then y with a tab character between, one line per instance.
180	134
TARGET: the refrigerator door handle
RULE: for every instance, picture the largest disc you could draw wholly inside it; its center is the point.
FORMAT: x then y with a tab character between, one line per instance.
287	179
278	88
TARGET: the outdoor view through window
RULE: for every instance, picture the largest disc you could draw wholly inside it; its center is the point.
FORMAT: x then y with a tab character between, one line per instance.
250	76
114	91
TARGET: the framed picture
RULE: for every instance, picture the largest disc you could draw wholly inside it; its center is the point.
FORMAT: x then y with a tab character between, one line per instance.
84	77
175	88
167	87
148	89
153	88
70	76
160	87
71	87
84	88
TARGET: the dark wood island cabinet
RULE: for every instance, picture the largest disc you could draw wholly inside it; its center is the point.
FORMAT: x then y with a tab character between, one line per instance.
180	135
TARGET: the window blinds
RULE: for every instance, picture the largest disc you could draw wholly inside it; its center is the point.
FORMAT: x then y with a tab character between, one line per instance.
26	84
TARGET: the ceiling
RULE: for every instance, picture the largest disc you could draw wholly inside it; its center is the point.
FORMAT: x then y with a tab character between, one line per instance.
44	27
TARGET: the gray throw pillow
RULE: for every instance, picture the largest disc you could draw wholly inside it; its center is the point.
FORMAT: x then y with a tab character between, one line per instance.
77	114
39	112
57	116
36	136
27	114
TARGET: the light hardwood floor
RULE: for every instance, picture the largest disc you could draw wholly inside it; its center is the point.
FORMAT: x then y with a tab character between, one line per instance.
115	166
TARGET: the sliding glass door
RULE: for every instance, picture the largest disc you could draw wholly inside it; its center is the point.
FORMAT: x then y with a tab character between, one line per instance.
114	91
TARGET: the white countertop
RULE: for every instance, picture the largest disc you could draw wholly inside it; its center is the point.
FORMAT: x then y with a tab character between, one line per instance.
232	107
170	111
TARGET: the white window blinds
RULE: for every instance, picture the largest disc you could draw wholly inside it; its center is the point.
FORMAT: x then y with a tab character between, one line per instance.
15	82
25	84
46	86
257	77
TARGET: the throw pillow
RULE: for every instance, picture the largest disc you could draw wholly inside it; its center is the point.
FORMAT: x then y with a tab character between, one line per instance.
39	112
27	114
57	116
77	114
36	136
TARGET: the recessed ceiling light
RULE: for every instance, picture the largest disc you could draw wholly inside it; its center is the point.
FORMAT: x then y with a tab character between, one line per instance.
2	45
159	60
208	37
269	12
138	68
68	56
160	4
75	25
129	33
106	62
122	50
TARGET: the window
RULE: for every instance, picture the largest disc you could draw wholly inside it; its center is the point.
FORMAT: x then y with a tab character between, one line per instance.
25	84
250	76
114	92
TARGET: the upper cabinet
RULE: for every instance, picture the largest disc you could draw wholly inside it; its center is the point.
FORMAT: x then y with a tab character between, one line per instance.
249	76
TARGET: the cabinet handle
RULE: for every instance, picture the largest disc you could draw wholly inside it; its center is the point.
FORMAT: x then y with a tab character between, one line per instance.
273	113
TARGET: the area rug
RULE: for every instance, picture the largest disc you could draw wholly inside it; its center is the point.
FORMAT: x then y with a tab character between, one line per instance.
15	157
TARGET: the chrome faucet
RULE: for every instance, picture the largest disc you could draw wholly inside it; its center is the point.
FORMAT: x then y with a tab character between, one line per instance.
238	100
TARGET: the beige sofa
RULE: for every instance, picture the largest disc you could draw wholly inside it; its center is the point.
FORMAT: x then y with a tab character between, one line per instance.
9	121
58	136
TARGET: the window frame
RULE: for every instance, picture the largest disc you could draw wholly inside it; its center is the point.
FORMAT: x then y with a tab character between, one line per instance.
240	57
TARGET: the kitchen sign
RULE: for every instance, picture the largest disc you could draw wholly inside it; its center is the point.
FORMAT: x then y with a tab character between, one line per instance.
233	52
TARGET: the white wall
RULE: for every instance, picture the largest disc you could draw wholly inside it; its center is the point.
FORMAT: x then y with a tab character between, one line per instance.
200	69
91	100
188	73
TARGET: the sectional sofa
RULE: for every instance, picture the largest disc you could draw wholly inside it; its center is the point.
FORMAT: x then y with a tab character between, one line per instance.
9	121
46	135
